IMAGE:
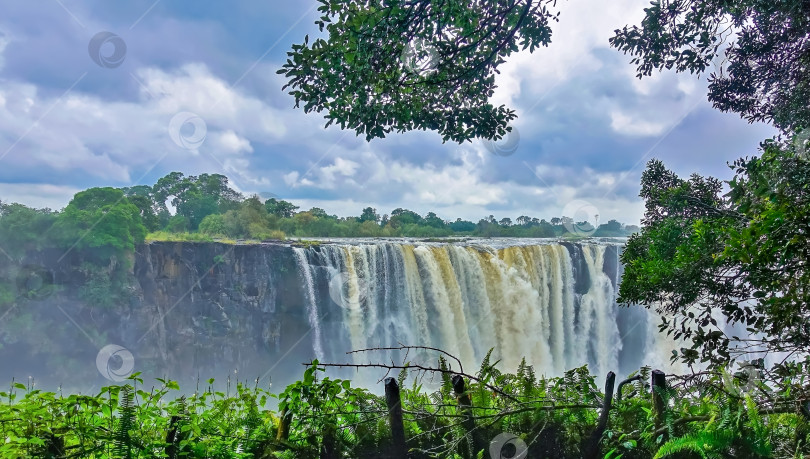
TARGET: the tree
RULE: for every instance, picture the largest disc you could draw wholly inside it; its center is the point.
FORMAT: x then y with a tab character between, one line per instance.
143	197
462	226
280	208
102	219
744	255
195	197
217	186
432	220
506	221
146	208
369	215
399	66
611	228
317	212
766	78
23	228
213	224
165	187
402	216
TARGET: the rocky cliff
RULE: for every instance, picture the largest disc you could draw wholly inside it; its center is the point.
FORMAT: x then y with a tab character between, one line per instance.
207	309
194	311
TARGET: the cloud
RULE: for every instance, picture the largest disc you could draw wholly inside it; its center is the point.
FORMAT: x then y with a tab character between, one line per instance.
229	142
117	140
628	125
587	125
37	195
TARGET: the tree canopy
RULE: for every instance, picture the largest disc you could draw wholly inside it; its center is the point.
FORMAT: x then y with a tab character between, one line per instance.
102	219
762	47
395	66
707	262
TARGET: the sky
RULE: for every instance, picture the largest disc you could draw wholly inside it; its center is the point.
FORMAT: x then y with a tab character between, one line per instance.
98	93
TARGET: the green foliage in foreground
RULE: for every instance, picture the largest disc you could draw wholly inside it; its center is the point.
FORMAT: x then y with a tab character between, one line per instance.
708	416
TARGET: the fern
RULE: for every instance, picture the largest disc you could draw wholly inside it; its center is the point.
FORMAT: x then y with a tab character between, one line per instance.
252	421
122	443
708	444
485	365
447	384
174	435
403	375
642	384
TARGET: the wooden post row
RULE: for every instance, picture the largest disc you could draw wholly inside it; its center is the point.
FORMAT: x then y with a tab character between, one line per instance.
659	386
392	399
592	447
465	405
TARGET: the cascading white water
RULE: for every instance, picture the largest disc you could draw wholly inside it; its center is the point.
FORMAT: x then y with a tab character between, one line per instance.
549	302
304	270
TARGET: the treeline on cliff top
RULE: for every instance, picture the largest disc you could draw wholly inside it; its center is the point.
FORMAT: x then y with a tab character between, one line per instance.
114	219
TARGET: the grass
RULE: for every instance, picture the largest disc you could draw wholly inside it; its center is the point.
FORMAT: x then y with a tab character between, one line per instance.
166	236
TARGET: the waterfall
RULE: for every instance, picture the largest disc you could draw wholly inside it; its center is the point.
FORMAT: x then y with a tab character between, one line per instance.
304	269
549	302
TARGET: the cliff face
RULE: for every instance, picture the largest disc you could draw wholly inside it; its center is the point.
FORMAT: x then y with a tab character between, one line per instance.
210	310
224	306
193	309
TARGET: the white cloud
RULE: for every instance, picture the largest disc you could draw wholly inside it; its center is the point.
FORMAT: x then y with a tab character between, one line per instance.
37	194
229	142
629	125
459	189
83	133
291	179
580	31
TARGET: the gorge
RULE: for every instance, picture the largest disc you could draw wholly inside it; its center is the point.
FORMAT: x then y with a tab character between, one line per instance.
215	310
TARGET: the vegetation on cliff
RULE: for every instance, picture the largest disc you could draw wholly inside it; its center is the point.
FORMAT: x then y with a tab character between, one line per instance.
111	221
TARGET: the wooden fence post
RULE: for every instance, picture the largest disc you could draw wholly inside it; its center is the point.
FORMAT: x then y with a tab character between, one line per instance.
392	399
465	405
659	386
592	447
172	439
329	444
